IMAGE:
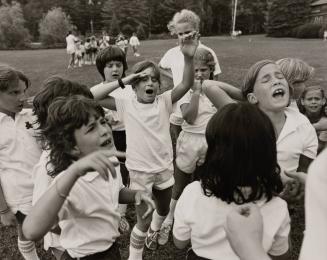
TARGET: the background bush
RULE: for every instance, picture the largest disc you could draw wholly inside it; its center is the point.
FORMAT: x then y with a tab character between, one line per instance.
307	31
54	27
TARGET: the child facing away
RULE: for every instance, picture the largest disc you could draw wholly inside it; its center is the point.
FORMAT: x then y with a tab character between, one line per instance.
83	198
111	64
134	42
149	157
52	88
237	171
191	145
297	72
182	24
312	104
19	152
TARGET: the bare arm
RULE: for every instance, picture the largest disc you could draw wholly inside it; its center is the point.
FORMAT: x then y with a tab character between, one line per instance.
108	102
190	110
304	163
7	217
321	125
216	95
180	244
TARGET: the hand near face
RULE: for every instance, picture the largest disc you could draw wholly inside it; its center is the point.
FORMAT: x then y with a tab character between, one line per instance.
189	43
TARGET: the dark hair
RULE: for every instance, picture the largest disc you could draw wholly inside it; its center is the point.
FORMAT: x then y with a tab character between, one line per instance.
110	53
241	153
10	76
251	76
65	115
54	87
143	65
305	91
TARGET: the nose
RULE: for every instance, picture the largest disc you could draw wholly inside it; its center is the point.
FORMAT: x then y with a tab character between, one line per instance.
104	130
22	97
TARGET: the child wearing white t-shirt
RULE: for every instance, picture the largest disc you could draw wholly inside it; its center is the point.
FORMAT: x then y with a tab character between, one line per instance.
236	171
19	152
83	198
149	157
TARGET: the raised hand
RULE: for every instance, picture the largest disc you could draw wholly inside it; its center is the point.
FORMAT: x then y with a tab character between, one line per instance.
99	161
294	186
189	43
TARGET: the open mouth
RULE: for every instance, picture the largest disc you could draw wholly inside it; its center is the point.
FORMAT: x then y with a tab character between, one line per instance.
278	93
108	142
149	91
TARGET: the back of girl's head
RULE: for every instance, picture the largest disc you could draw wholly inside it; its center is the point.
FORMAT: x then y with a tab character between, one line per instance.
10	76
295	70
241	153
305	92
143	65
204	57
52	88
251	76
111	53
184	16
65	115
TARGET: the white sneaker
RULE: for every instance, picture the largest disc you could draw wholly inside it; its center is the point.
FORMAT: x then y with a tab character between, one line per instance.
164	233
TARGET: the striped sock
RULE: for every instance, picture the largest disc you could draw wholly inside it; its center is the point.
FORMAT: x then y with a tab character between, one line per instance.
136	245
27	249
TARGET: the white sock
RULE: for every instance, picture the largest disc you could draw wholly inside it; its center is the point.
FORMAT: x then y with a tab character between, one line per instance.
136	245
27	249
170	217
157	221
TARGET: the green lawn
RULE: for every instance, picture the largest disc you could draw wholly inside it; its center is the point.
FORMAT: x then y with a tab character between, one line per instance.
235	57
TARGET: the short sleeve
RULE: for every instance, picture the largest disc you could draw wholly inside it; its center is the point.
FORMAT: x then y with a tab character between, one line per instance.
181	229
186	99
310	141
280	244
166	97
165	61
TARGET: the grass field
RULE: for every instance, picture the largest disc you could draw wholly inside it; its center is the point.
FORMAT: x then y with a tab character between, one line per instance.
235	57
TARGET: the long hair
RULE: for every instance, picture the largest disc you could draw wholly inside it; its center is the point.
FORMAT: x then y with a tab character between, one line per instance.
241	155
304	93
65	115
110	53
54	87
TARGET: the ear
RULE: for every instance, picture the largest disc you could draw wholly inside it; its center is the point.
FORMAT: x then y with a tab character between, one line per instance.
75	152
302	102
252	98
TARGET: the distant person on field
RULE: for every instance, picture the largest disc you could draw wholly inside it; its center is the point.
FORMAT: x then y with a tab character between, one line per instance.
94	49
78	54
325	35
134	42
19	152
88	52
70	41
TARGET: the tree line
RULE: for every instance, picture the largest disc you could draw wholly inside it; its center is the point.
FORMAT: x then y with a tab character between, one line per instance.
150	17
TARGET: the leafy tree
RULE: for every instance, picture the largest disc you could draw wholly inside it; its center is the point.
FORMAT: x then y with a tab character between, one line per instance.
284	16
54	27
13	34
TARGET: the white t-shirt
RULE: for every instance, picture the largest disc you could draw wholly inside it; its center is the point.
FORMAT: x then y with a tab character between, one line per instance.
19	152
205	111
297	137
173	59
134	41
89	217
70	40
126	93
315	235
201	219
149	147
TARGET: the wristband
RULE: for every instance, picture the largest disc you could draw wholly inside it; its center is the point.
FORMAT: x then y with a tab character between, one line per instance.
121	83
4	211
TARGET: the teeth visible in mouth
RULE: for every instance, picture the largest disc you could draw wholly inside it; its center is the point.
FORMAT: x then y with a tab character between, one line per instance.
278	92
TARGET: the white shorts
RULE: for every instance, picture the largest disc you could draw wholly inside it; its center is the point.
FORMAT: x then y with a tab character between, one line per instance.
147	181
190	149
23	208
71	50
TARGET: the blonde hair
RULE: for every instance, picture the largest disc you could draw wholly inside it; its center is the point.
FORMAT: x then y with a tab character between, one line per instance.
184	16
295	70
205	57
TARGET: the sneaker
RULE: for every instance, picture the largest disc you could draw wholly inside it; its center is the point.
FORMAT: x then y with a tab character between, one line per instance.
164	233
124	225
151	240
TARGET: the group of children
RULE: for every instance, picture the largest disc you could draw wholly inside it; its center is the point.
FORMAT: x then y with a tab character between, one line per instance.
238	146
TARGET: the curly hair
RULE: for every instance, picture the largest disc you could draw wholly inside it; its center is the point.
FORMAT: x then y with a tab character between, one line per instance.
110	53
52	88
184	16
10	76
241	162
65	115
